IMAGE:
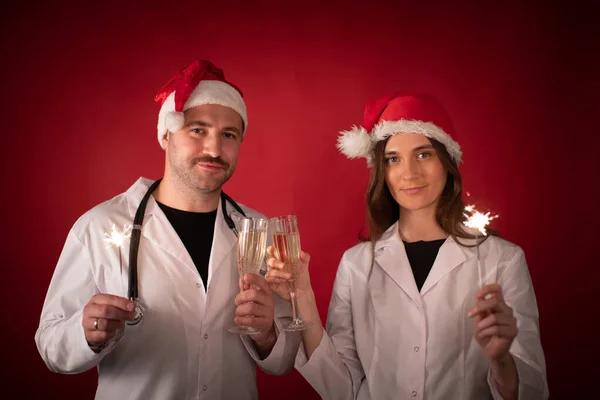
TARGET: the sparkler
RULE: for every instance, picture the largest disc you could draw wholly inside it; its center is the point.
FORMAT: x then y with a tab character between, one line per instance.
117	238
478	221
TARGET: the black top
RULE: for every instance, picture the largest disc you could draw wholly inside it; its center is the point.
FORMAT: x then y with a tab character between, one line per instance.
195	229
421	256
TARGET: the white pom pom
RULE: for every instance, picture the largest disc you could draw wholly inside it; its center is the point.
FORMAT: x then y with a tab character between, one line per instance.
174	121
355	143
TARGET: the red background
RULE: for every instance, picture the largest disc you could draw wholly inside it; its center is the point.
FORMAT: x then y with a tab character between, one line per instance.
519	81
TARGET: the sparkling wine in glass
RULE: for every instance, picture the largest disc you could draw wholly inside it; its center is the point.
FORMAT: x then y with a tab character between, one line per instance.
286	241
251	251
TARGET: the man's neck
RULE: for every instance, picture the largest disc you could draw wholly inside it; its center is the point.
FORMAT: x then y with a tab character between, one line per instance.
416	225
183	198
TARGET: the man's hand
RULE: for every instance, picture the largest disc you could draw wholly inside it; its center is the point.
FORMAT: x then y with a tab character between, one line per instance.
103	315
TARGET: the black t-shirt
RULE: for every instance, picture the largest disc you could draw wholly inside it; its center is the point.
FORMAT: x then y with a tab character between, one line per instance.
195	229
421	256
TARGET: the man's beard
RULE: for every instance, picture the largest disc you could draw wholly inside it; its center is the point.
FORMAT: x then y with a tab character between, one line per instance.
203	182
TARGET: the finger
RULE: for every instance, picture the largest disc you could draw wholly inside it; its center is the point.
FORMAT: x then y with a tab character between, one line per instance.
108	312
493	290
106	325
115	301
480	313
271	280
243	286
495	305
494	319
98	337
258	281
253	296
274	263
271	251
279	275
304	257
257	323
252	309
497	330
485	306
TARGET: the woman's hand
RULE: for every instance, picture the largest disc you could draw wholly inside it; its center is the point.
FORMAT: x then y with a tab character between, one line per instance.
282	277
495	325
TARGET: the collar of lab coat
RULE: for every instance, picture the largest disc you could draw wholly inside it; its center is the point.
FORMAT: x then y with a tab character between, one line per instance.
157	228
390	255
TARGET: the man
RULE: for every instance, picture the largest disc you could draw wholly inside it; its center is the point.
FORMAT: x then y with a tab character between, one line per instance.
178	345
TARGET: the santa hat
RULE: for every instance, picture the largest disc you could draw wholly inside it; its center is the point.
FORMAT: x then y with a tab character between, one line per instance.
199	83
397	114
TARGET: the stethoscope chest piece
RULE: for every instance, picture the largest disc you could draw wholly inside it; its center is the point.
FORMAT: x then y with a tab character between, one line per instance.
138	314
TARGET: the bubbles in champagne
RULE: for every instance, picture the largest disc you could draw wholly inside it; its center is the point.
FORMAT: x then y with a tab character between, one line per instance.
252	246
287	249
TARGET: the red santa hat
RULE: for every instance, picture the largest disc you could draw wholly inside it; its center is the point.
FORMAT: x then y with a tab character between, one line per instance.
199	83
397	114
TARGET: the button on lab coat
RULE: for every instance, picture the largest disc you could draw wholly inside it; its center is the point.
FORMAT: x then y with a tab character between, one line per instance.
181	349
387	340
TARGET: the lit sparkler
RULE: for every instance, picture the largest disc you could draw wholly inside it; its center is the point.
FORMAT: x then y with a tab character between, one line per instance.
478	221
117	238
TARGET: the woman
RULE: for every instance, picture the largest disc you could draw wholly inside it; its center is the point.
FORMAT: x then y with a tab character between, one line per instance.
408	316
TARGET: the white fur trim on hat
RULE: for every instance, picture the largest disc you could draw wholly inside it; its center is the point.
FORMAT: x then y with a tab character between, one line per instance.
207	92
357	143
384	129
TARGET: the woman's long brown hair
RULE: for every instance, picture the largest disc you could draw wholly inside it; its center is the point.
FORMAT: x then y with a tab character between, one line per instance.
383	210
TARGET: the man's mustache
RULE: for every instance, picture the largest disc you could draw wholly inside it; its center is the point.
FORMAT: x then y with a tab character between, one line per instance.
211	160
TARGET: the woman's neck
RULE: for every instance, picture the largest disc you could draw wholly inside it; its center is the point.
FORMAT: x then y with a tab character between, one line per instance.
416	225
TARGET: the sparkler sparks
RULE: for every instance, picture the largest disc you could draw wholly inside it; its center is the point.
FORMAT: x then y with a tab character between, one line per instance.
117	238
478	220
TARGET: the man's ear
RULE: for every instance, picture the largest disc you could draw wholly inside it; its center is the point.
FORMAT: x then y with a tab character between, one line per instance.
165	140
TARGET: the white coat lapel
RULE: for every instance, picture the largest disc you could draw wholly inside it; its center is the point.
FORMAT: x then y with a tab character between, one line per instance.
223	242
450	256
390	255
156	226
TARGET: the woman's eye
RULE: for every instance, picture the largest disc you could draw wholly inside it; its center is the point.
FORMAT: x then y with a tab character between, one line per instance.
423	155
391	160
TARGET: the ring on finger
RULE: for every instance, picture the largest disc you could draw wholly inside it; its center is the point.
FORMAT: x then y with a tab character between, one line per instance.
96	324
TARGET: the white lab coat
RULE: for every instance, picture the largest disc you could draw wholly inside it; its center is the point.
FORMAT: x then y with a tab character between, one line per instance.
181	349
385	340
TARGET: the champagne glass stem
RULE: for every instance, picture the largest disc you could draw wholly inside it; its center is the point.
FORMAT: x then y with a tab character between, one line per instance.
294	302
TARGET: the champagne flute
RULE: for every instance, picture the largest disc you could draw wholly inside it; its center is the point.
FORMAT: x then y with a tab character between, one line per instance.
286	241
251	251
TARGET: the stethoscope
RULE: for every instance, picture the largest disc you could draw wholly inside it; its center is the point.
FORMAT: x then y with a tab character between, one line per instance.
136	234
